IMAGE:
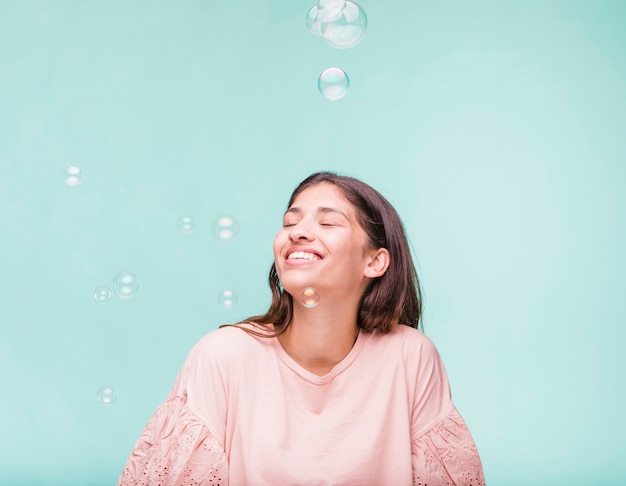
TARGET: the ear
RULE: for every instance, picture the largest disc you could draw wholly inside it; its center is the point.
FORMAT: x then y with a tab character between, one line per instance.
377	263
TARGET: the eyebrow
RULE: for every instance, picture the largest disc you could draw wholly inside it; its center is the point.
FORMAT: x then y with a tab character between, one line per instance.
321	209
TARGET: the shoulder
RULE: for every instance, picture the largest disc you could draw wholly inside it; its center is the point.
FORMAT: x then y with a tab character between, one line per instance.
410	338
220	356
228	343
408	342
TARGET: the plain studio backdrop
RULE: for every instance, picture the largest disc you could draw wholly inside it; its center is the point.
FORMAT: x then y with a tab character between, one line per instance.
496	128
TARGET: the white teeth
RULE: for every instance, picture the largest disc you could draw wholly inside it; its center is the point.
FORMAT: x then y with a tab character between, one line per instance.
302	255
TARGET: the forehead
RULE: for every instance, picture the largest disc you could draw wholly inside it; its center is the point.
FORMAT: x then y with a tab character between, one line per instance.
322	194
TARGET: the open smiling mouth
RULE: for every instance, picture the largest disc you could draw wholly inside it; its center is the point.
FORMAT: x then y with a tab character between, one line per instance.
303	255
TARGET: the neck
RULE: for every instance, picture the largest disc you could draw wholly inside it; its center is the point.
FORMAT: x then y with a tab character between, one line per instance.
317	339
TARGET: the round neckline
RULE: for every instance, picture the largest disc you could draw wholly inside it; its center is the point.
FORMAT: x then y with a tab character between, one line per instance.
309	375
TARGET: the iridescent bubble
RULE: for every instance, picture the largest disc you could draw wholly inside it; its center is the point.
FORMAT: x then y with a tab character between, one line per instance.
225	227
126	284
333	83
336	4
312	22
309	297
342	23
186	223
107	395
348	28
102	294
227	297
321	15
73	175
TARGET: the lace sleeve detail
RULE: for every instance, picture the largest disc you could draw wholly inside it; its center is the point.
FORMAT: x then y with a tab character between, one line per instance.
176	448
447	456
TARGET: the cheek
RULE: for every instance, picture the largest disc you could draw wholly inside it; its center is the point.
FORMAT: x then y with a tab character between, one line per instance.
279	241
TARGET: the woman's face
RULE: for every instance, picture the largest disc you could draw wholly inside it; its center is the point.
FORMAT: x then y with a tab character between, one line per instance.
322	245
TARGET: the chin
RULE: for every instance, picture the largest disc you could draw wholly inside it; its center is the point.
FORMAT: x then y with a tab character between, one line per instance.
296	286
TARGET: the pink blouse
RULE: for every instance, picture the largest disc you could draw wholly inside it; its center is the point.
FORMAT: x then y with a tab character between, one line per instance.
243	412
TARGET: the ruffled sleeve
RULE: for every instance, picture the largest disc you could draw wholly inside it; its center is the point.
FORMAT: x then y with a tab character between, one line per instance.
176	448
446	455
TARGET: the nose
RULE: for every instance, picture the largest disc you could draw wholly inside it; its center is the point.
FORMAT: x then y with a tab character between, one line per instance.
300	232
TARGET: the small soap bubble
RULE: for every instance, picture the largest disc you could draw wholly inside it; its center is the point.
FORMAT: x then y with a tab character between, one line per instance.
126	284
73	175
227	298
107	395
186	223
347	29
225	228
309	297
333	83
102	294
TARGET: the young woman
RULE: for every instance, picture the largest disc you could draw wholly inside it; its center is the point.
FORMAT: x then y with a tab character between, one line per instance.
334	385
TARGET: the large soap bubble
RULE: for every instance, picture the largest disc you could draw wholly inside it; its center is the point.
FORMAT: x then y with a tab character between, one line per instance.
342	23
321	14
312	23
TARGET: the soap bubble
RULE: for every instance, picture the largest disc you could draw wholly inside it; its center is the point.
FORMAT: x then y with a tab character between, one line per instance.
332	4
225	227
186	223
349	29
342	23
73	176
102	294
126	284
319	16
333	83
107	395
312	22
309	297
227	297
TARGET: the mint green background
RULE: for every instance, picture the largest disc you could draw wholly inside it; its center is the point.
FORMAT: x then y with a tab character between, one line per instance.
496	128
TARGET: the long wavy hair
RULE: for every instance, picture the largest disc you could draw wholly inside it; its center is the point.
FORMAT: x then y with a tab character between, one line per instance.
391	299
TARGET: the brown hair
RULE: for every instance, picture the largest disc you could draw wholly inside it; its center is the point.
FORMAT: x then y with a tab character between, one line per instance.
391	299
